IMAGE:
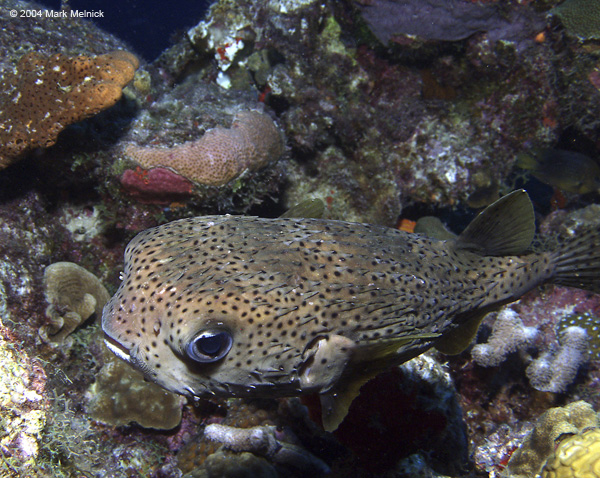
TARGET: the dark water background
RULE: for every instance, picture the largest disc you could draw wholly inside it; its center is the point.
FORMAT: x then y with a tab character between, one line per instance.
149	26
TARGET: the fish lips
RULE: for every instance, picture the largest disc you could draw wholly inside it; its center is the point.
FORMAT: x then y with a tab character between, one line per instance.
130	356
117	348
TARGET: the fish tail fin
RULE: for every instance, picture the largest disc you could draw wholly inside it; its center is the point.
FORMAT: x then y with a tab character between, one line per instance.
577	261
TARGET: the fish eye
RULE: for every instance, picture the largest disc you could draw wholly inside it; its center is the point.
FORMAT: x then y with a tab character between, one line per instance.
209	346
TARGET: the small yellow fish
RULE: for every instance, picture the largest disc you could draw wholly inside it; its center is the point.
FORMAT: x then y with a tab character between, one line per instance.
566	170
251	307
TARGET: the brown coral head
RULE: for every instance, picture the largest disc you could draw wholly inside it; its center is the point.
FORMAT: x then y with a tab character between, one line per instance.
74	294
67	284
556	423
222	154
46	94
120	396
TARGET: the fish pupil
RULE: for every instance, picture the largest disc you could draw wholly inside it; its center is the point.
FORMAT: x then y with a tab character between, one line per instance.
210	346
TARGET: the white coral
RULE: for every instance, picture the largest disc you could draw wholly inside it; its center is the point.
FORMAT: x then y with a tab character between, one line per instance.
555	370
263	441
509	335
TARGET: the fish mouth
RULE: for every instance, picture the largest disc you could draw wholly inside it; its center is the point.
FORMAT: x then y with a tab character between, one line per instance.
117	348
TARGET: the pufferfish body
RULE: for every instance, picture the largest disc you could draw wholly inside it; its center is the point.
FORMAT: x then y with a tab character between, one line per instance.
253	307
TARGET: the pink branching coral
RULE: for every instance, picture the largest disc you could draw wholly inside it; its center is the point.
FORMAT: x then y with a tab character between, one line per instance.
47	94
221	154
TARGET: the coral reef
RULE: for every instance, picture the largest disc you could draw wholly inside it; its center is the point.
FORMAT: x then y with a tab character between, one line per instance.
556	328
554	370
74	295
187	146
240	415
22	406
550	427
46	94
221	155
74	445
380	140
234	465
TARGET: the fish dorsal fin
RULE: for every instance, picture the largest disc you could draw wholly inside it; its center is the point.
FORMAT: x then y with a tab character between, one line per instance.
506	227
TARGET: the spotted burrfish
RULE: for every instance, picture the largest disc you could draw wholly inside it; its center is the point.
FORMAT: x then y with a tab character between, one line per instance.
249	307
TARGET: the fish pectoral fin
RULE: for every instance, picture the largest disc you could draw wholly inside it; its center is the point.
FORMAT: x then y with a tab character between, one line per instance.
506	227
457	340
336	403
367	362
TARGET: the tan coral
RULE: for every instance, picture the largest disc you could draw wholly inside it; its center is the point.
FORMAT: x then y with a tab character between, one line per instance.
577	456
74	294
552	426
46	94
221	154
120	395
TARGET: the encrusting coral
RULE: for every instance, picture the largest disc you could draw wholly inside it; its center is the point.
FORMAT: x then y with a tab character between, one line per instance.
74	294
224	464
46	94
221	154
22	406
